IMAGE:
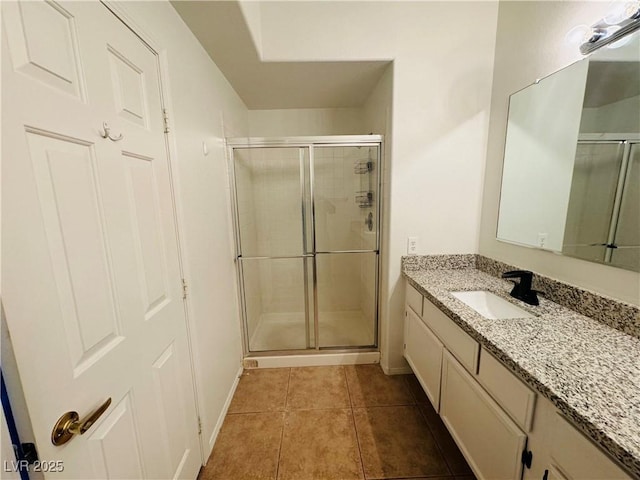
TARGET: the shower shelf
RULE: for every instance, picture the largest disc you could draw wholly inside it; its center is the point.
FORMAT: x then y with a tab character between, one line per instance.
364	199
362	167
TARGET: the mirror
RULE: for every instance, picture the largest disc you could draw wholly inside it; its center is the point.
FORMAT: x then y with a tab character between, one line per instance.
571	172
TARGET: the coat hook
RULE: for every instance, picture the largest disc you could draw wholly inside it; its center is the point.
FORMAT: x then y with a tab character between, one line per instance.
107	133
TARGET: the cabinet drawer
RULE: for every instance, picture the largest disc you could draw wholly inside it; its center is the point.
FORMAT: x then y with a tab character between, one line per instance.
578	458
423	351
465	348
490	441
414	299
513	396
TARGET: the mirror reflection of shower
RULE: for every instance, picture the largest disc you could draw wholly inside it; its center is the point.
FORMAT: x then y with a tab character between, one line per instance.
603	224
307	218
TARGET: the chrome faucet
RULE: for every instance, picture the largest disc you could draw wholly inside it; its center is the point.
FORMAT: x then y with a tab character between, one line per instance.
522	290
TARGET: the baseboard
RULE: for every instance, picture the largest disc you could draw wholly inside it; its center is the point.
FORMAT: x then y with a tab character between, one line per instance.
223	414
323	359
398	370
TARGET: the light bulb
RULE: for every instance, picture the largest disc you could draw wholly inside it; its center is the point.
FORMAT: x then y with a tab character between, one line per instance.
578	35
622	10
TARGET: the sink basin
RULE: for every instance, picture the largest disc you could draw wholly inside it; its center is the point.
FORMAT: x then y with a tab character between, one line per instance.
491	306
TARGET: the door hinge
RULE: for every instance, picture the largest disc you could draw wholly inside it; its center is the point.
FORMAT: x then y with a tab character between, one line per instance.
184	289
199	426
527	457
165	120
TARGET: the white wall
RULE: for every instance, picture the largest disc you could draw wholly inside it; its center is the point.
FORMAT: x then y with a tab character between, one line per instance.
441	96
526	50
203	108
377	112
305	122
542	135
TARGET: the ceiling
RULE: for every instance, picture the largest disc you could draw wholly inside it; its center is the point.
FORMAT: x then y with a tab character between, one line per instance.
223	32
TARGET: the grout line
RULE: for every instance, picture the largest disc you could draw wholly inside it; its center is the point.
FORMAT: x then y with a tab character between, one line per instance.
436	440
284	423
355	428
411	392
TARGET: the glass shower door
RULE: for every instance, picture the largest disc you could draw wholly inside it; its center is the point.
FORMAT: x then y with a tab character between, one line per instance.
272	197
307	234
592	198
627	230
346	215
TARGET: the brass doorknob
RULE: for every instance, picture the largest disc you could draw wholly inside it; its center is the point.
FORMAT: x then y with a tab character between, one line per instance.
70	424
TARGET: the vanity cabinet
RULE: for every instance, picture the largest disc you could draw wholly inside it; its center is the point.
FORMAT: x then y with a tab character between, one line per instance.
456	340
562	452
494	416
516	398
423	351
491	442
575	457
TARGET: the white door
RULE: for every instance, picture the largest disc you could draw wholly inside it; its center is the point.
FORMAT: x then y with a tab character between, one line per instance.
90	274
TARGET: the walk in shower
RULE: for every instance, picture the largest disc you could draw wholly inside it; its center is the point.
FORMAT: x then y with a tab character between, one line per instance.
307	216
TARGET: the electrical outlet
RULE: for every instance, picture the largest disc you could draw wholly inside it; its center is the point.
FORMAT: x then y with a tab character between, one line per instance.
412	245
542	240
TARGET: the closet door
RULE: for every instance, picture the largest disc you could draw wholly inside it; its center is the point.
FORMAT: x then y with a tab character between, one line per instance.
92	288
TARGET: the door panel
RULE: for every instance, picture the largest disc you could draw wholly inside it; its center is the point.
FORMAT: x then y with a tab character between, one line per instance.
44	45
270	186
277	299
128	88
146	220
166	375
66	175
93	283
627	236
345	193
115	450
488	438
423	351
591	202
347	300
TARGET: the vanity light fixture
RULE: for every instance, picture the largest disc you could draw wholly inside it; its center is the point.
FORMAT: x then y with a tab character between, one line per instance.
621	21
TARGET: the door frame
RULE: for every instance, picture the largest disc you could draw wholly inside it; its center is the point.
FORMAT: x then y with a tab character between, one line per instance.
120	12
309	142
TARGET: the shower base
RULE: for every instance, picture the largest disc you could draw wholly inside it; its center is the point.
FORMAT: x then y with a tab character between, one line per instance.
286	331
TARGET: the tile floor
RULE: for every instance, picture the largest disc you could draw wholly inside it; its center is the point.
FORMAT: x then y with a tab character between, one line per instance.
332	423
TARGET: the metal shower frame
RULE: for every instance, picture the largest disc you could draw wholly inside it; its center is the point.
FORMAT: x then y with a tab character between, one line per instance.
310	143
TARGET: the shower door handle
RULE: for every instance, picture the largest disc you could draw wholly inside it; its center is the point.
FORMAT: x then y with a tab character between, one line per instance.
284	257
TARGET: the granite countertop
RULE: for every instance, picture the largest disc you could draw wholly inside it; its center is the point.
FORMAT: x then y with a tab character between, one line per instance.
590	371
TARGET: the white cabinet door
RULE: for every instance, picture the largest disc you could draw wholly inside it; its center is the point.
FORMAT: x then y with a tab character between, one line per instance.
490	441
91	279
578	458
423	351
